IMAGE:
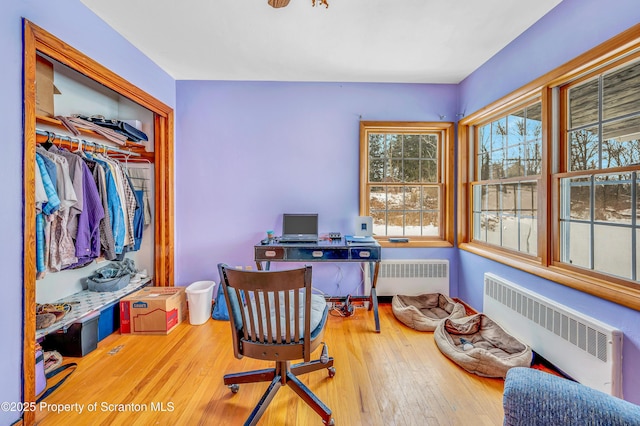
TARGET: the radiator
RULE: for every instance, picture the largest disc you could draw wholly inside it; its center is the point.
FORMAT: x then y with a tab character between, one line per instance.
412	277
585	349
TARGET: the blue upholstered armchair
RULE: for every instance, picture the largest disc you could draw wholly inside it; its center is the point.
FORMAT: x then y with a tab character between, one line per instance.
533	397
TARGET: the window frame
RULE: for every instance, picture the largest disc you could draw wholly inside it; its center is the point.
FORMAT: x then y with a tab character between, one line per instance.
445	132
565	170
547	87
477	180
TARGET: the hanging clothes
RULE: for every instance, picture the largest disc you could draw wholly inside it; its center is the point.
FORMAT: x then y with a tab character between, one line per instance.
127	198
114	204
86	207
88	235
41	198
49	207
141	180
75	175
61	247
138	220
107	241
133	205
40	264
41	194
52	170
53	202
63	256
63	184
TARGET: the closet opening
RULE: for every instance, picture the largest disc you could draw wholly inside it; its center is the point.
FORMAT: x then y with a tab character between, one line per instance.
66	116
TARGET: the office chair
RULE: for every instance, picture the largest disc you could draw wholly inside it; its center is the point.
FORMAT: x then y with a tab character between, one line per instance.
275	317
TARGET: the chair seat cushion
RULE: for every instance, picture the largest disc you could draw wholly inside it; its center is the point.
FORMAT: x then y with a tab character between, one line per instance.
319	313
481	346
426	311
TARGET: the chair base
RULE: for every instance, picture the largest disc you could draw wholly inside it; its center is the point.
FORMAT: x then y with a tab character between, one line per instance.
284	374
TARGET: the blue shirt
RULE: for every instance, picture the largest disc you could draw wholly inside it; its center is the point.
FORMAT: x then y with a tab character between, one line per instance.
115	207
40	265
51	169
54	202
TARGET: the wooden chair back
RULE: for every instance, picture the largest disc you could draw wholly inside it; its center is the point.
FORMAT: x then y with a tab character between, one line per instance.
265	312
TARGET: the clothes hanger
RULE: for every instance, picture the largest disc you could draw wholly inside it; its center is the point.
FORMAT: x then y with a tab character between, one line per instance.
49	142
126	162
79	148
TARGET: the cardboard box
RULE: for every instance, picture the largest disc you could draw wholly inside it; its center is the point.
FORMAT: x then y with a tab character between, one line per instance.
152	310
44	87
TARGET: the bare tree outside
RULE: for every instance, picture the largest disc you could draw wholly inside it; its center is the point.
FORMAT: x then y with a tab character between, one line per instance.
599	221
407	201
510	147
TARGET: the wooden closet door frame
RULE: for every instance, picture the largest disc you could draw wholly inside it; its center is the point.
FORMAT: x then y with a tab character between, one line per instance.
38	40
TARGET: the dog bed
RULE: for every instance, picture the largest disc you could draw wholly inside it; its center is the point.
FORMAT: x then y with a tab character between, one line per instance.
426	311
481	346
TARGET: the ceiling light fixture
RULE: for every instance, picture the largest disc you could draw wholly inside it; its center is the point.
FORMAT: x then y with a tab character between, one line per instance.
282	3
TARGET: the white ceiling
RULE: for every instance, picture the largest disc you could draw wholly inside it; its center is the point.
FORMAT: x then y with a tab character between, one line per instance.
403	41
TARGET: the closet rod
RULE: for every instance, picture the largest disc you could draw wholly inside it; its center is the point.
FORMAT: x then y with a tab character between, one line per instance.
83	142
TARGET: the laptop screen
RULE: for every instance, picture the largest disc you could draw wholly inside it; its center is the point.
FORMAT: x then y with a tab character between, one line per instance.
299	224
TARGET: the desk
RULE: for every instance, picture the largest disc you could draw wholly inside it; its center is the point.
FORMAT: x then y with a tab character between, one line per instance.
326	251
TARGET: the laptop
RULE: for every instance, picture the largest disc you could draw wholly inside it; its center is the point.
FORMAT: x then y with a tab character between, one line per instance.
299	228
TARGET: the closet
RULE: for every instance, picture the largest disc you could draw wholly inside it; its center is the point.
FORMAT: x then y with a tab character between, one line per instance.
88	88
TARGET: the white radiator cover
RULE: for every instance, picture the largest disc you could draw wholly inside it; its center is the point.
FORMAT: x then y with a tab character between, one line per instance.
412	277
584	348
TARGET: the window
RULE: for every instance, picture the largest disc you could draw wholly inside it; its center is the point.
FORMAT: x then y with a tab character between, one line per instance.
406	179
549	176
508	164
599	191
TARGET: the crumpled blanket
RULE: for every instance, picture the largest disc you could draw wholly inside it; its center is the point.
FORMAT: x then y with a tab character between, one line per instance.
114	276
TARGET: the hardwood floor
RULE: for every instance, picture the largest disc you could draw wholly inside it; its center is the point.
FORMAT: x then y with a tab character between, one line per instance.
397	377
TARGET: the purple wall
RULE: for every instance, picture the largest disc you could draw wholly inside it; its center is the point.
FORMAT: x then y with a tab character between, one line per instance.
570	29
250	151
71	21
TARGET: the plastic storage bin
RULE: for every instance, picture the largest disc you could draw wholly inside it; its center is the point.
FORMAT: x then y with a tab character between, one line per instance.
109	320
77	340
199	298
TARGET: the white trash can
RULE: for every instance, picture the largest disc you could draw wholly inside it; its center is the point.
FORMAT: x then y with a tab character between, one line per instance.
200	296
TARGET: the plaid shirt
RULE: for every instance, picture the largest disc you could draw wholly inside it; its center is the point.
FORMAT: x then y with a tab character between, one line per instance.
53	204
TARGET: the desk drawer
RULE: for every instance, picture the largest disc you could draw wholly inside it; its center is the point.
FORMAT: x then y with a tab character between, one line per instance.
364	253
269	253
306	253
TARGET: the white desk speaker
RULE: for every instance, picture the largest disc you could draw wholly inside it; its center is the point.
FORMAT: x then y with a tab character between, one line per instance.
364	226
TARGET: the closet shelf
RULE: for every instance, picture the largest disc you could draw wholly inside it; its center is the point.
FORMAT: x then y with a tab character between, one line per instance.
136	147
86	302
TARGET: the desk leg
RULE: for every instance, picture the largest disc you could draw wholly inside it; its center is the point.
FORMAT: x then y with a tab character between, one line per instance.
374	267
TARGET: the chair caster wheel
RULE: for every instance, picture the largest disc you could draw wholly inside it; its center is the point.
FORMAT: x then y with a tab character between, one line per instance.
332	372
234	388
331	422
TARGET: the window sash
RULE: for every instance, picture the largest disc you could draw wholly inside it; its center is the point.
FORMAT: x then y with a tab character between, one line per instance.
514	139
597	202
427	213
